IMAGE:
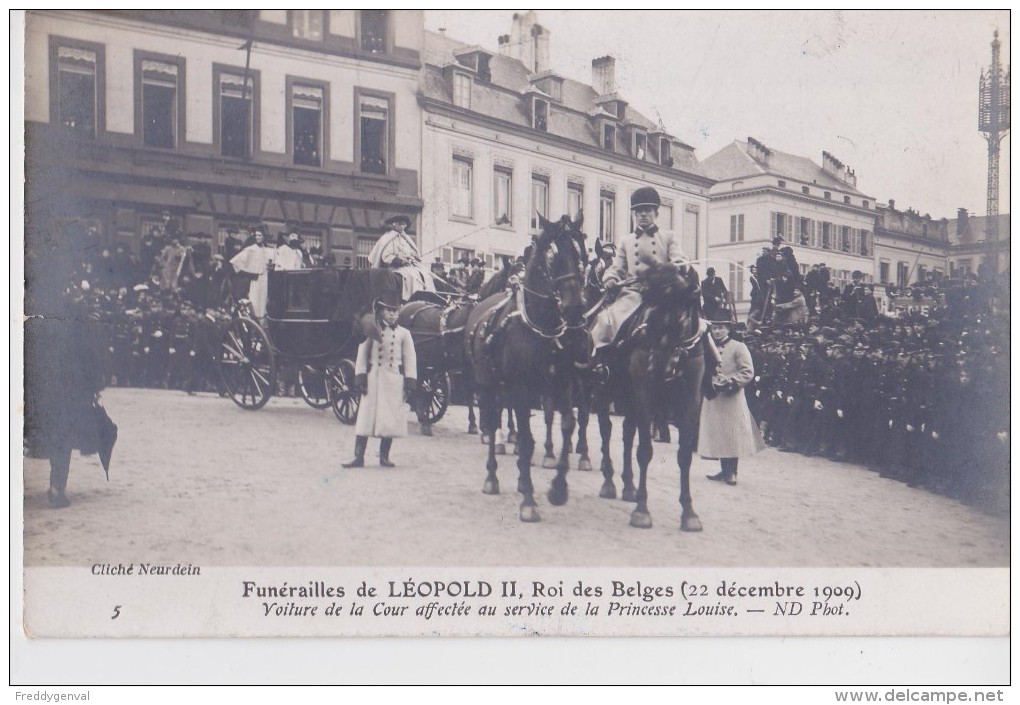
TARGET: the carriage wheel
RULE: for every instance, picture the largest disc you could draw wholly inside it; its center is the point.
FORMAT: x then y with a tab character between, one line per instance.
247	365
344	399
312	384
434	396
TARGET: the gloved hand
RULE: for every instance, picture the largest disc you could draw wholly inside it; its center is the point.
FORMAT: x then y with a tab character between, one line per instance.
361	385
398	262
410	389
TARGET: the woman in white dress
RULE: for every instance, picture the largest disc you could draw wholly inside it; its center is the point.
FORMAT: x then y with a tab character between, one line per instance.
254	260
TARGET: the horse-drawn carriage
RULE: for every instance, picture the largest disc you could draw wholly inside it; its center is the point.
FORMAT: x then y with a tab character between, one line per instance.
312	323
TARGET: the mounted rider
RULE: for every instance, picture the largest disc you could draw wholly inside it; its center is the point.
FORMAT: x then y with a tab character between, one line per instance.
637	251
396	250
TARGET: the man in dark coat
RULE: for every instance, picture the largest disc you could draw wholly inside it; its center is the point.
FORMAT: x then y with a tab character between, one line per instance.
64	370
713	293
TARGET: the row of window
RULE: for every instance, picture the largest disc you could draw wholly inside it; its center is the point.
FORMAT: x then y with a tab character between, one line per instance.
372	27
641	146
462	199
807	232
79	75
827	195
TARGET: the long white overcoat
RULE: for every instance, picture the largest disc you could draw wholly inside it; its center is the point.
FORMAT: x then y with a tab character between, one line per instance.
387	362
727	428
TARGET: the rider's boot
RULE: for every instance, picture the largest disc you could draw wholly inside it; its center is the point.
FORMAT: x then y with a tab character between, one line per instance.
360	444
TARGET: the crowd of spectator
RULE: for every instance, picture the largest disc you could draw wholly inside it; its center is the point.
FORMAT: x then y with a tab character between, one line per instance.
922	397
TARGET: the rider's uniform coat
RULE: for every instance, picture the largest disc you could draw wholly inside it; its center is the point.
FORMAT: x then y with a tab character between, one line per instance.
636	252
394	245
387	362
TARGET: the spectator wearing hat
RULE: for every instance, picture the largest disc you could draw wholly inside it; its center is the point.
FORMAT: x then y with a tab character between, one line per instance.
727	431
397	250
713	294
172	262
289	255
853	295
253	261
793	310
386	374
637	252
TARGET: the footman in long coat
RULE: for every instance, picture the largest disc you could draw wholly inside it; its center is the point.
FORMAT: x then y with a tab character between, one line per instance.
727	430
386	373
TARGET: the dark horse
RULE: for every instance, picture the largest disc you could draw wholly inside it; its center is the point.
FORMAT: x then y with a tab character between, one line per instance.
437	325
657	368
520	345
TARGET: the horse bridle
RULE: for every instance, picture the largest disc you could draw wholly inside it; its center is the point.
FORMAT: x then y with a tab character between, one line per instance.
556	282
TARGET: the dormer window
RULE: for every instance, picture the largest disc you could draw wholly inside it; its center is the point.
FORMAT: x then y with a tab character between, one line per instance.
828	195
846	199
540	114
609	137
640	145
462	90
665	158
484	72
550	84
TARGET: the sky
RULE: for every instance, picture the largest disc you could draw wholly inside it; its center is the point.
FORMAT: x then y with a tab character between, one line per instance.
893	95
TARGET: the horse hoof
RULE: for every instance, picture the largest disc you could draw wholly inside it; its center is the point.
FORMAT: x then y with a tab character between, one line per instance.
690	522
558	494
473	430
426	430
549	462
490	487
58	500
584	464
500	449
629	494
529	514
608	490
641	520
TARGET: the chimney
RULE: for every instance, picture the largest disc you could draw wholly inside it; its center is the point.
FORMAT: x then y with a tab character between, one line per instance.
504	45
850	178
603	75
962	223
541	41
892	204
832	166
758	151
526	42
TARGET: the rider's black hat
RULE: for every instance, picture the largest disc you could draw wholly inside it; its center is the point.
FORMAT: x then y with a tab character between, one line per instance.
644	197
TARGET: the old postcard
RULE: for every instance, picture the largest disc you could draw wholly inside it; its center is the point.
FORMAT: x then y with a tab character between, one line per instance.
409	323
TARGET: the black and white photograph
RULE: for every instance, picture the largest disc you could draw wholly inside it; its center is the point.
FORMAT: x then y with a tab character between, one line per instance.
514	323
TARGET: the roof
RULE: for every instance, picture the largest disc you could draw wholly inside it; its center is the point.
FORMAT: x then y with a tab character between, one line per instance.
975	229
502	99
733	162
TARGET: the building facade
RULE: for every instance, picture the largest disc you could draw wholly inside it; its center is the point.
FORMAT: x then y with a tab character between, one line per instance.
505	138
909	246
761	193
304	119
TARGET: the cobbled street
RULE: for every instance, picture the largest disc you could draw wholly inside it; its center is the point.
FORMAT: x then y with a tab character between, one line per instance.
196	479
